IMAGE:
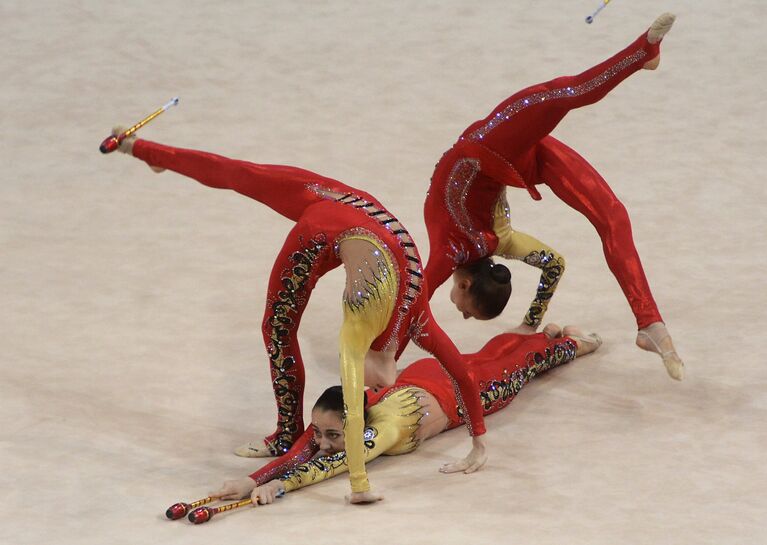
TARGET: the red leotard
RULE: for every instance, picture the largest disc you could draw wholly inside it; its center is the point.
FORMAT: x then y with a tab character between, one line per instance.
499	371
512	147
324	210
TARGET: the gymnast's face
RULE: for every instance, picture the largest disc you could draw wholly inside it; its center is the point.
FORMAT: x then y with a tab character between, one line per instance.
328	428
461	297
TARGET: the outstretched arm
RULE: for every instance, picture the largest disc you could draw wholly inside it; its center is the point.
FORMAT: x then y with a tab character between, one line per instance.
517	245
287	474
434	340
302	451
378	438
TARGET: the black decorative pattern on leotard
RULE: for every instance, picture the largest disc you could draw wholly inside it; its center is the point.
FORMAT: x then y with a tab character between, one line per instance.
324	465
552	269
497	393
282	359
414	273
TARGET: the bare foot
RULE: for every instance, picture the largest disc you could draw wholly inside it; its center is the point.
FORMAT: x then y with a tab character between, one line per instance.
652	64
364	497
655	338
253	450
658	30
660	27
586	342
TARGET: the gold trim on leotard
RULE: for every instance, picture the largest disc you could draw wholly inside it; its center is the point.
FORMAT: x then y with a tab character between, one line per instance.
517	245
391	429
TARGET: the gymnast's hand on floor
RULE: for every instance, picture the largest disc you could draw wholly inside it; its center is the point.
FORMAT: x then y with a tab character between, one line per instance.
267	493
235	490
364	497
476	459
523	329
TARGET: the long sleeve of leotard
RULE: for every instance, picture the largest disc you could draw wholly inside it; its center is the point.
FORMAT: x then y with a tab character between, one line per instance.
364	320
429	336
355	342
367	311
381	436
517	245
285	189
302	451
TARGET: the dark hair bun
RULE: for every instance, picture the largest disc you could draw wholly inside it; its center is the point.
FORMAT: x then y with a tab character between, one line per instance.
490	286
500	273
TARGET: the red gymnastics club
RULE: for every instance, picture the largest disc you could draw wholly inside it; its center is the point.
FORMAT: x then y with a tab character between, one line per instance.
180	509
204	514
112	142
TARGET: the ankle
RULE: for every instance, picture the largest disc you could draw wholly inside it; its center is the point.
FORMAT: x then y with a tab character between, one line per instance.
652	64
654	328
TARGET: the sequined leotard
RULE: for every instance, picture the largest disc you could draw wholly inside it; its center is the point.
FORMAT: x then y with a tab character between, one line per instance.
383	306
500	370
465	206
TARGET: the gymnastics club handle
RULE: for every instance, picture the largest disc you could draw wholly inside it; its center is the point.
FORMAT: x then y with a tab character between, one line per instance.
204	514
590	18
112	142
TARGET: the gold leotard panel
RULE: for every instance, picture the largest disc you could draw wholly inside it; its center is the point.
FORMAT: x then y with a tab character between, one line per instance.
368	307
391	430
517	245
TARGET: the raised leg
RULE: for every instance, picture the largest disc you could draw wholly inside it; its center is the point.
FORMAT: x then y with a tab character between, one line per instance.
286	190
580	186
516	124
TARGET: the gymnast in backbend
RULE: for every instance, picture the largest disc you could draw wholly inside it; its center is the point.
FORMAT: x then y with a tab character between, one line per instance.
384	303
467	216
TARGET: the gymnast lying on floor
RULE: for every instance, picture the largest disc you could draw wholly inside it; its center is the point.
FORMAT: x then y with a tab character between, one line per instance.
421	404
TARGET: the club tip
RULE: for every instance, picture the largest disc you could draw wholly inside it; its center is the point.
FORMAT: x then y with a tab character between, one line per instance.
109	144
177	511
200	515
